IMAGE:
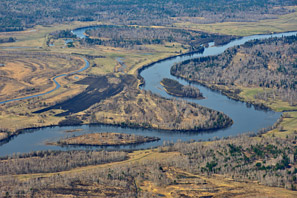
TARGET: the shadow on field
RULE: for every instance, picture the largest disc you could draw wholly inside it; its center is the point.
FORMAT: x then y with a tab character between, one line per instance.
100	88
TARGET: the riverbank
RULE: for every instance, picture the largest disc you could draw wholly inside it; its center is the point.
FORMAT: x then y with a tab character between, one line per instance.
142	68
251	72
242	76
188	165
233	94
287	126
185	124
108	117
101	63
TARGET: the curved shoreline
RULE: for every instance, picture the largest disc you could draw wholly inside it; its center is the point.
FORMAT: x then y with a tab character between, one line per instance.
261	106
258	105
54	79
101	146
103	139
25	130
139	70
230	95
170	91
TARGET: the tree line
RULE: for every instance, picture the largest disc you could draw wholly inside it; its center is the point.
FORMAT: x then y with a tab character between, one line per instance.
269	63
269	160
129	36
23	14
7	40
55	161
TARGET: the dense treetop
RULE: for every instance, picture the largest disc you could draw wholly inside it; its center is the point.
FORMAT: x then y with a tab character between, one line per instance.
269	63
14	15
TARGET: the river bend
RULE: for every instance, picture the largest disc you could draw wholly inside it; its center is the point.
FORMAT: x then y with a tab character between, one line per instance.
246	118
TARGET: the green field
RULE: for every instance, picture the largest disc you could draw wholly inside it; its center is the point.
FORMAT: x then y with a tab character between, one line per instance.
277	105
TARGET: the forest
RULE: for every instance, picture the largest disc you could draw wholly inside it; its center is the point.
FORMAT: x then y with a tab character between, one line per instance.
270	161
55	161
174	88
129	36
269	63
23	14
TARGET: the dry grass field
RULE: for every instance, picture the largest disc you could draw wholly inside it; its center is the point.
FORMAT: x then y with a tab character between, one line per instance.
142	109
192	185
31	73
37	36
21	81
103	139
286	127
25	74
283	23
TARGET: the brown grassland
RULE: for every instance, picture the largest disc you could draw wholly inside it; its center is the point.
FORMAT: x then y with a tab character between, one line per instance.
103	139
29	74
103	60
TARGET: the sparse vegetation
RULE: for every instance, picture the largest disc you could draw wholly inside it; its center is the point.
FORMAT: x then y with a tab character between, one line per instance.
104	139
33	51
27	73
268	160
144	109
56	161
25	14
134	36
118	101
192	169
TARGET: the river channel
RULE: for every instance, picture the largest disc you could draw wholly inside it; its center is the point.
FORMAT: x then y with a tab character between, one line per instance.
246	118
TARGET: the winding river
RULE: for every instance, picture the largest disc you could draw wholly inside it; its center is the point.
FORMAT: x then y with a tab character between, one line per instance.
57	85
246	118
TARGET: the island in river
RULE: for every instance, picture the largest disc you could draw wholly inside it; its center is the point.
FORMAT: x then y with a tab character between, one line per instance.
104	139
174	88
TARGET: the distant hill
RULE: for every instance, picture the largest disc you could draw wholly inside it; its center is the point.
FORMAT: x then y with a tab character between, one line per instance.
19	14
